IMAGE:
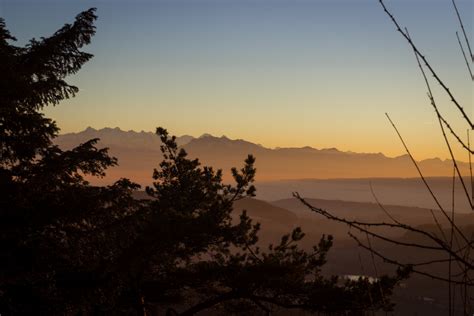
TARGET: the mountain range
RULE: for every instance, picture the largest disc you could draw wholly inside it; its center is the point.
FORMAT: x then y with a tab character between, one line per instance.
139	152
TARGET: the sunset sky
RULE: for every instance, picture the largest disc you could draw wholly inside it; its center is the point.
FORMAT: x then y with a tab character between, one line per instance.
282	73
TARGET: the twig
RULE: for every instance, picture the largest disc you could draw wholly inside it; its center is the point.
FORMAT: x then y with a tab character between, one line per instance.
451	305
433	103
470	169
424	180
428	65
463	30
393	261
454	133
382	295
455	164
439	226
380	204
358	225
464	55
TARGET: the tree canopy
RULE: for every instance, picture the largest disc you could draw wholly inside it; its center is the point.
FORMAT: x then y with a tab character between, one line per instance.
67	247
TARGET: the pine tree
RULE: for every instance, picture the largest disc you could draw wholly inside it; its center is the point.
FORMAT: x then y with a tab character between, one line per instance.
44	191
67	247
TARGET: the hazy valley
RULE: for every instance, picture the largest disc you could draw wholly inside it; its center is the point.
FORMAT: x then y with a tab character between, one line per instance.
344	183
315	173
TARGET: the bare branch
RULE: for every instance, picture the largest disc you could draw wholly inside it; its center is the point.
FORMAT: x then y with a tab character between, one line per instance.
428	65
381	206
393	261
425	182
470	168
464	55
463	30
440	119
359	226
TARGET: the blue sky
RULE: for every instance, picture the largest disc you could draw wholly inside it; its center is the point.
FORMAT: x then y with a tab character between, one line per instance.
276	72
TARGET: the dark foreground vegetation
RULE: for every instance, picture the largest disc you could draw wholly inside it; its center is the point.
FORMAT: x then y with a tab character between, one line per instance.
450	244
70	248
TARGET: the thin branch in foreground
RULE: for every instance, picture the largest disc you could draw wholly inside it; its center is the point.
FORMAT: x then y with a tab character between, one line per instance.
428	65
425	182
464	55
440	119
463	30
454	133
359	226
395	262
363	273
433	103
380	204
438	225
375	267
455	164
470	169
450	294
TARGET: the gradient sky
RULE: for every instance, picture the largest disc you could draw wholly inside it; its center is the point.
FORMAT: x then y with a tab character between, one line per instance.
282	73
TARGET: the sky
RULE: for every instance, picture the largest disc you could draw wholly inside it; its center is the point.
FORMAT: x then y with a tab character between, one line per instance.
282	73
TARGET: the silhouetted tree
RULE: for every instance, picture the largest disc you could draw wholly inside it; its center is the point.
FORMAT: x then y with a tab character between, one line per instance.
67	247
43	187
191	252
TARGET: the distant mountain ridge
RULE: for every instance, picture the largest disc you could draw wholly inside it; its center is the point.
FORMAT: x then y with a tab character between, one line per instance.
139	153
116	137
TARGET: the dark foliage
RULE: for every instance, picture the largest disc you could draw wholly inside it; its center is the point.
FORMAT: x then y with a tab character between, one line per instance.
46	202
67	247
